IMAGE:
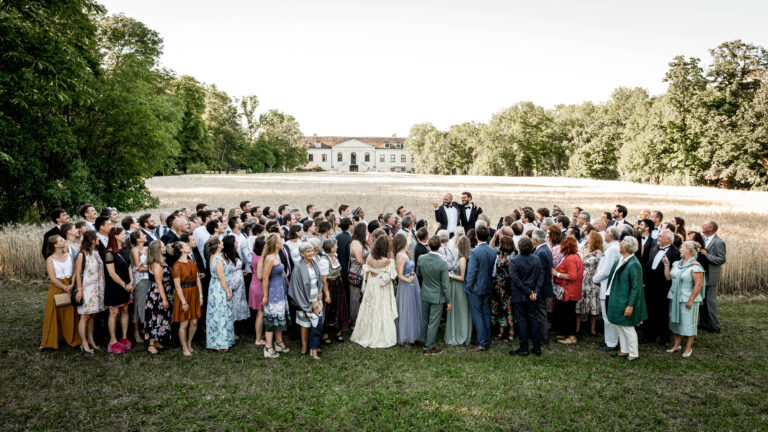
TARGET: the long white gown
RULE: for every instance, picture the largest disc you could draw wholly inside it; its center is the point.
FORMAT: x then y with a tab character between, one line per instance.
375	326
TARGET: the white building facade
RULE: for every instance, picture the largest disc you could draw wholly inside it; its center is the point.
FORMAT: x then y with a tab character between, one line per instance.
363	154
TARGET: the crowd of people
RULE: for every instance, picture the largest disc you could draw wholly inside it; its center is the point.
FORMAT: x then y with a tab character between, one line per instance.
312	276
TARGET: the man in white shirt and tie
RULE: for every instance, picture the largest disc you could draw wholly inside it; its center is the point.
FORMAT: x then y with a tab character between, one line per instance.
657	287
447	215
656	217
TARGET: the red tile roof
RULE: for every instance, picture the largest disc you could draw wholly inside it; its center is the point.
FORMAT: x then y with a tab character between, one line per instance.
331	141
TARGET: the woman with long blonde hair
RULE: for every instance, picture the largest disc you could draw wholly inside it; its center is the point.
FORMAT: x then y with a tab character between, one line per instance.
157	311
275	299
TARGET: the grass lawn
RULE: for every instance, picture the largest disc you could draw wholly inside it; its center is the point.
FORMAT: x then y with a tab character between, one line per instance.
722	387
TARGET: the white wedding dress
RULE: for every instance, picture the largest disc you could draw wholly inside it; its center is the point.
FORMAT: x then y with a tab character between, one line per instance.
375	327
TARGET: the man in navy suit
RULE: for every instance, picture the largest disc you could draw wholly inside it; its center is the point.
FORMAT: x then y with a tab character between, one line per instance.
478	287
343	241
544	254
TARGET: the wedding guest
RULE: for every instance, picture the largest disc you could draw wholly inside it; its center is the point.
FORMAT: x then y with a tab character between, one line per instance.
589	305
501	305
477	285
61	318
219	319
568	275
544	254
72	238
408	297
336	316
141	283
445	252
157	310
59	217
375	327
89	281
435	291
700	257
656	289
306	287
235	278
118	290
293	242
554	237
601	277
525	283
358	254
421	248
275	301
256	292
343	240
88	212
458	322
685	296
715	253
188	295
625	300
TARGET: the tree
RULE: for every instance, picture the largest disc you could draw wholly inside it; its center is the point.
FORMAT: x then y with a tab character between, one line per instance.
195	146
223	122
279	134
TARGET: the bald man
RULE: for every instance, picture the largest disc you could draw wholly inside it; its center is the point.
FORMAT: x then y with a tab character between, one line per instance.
447	215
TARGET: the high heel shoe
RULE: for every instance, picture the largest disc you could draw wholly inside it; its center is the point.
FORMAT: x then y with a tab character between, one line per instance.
267	353
85	351
688	354
673	349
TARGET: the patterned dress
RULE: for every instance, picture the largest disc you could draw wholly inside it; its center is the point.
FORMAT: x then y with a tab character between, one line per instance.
501	302
276	313
157	319
590	293
219	320
93	285
236	283
556	257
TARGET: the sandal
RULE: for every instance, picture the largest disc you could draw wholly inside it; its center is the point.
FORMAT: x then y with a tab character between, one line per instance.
152	349
270	352
339	338
327	341
281	347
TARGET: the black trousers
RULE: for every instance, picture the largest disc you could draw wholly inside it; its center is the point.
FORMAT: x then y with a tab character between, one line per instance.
565	315
657	324
527	321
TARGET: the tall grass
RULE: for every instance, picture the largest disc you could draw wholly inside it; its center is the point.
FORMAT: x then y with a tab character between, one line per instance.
742	215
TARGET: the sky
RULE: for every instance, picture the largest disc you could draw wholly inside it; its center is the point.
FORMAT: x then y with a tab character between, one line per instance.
364	68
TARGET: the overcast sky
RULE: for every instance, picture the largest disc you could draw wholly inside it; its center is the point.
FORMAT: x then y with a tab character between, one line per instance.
376	68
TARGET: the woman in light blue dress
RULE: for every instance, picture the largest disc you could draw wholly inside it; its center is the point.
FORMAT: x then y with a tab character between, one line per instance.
685	295
408	296
219	321
458	322
235	279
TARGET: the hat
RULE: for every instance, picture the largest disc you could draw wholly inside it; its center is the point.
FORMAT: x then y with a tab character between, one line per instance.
355	209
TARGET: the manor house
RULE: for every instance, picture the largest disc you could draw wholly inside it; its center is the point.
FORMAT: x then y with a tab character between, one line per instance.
358	154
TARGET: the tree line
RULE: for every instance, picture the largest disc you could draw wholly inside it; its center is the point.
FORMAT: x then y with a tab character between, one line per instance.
709	128
87	113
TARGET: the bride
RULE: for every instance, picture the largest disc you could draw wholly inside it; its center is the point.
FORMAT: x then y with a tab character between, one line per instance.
375	326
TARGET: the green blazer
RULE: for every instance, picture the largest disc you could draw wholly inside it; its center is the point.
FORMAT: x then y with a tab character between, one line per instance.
627	290
435	283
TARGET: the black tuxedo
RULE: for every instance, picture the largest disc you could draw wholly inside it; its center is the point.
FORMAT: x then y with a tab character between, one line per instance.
656	289
643	252
343	241
418	251
285	258
442	217
469	223
169	237
48	234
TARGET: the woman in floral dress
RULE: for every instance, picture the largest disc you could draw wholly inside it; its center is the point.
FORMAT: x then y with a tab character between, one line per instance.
219	320
89	276
589	305
501	304
158	311
235	279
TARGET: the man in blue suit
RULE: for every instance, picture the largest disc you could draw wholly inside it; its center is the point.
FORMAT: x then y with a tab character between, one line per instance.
544	254
478	287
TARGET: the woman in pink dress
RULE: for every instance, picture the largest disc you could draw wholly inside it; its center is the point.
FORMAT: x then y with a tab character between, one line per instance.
256	293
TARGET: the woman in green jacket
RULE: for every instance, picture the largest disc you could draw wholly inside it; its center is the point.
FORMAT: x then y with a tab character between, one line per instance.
625	299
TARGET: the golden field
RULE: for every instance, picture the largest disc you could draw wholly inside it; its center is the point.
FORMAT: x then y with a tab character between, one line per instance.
742	215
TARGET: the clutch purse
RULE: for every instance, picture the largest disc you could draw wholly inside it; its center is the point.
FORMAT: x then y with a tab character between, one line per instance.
62	299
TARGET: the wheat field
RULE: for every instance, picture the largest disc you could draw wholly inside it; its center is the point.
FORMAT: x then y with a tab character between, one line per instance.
742	215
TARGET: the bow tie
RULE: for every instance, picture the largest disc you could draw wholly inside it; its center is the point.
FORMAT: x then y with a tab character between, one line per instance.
664	248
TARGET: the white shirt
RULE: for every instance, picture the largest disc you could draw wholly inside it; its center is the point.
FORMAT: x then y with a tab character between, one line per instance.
468	210
446	254
659	255
528	227
102	238
516	238
621	263
244	252
201	236
707	240
655	233
605	265
452	213
91	226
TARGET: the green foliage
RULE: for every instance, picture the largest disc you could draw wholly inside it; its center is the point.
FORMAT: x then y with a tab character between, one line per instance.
279	142
195	146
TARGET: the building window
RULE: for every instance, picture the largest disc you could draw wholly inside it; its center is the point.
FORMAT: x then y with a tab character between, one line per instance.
391	158
325	157
402	158
367	157
399	145
386	145
411	158
339	157
311	157
381	158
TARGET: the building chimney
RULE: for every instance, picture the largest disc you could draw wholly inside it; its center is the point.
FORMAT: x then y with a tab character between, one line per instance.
394	135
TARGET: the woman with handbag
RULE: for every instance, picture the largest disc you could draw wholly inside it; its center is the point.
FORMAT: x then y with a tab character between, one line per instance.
60	315
568	276
89	287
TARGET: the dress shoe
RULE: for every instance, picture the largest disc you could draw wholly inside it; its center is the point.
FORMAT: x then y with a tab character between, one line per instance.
536	352
671	350
606	348
518	353
479	348
688	354
433	351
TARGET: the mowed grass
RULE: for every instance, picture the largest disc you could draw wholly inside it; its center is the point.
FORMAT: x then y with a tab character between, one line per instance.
722	387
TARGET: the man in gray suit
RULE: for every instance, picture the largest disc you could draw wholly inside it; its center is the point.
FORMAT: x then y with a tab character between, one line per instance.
715	253
433	271
544	254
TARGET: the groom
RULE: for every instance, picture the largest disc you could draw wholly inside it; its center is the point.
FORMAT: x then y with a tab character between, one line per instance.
432	271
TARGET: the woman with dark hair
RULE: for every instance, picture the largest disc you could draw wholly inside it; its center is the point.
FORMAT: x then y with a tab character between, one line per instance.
71	235
501	305
157	310
378	310
700	256
408	296
554	236
119	290
472	238
568	275
336	310
141	282
309	228
188	295
219	320
256	292
679	224
358	254
589	305
293	241
458	321
59	318
89	280
235	279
